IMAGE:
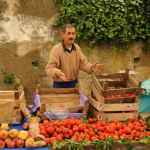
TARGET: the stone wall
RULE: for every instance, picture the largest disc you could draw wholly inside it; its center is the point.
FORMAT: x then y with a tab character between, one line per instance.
29	35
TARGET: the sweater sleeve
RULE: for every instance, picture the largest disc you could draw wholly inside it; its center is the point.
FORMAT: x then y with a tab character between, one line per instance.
52	67
84	64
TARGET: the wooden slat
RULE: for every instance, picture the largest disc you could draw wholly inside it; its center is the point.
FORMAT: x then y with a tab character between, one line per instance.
111	75
112	83
135	90
95	92
94	112
7	95
119	116
125	77
133	81
120	107
51	96
75	109
58	91
96	83
94	103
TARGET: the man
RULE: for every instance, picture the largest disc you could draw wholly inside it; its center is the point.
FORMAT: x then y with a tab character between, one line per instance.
66	59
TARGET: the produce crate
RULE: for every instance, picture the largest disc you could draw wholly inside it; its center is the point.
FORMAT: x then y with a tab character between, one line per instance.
10	107
51	99
114	96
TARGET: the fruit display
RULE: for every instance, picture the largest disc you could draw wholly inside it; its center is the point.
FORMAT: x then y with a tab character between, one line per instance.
13	138
74	132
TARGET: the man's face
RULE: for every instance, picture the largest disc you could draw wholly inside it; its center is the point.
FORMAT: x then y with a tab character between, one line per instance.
69	36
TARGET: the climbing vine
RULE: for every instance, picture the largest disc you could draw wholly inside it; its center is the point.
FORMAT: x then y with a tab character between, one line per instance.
118	21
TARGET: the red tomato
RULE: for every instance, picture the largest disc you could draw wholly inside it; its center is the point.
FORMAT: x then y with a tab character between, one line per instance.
129	137
59	138
82	127
79	139
70	133
50	130
61	105
101	138
45	122
66	136
64	123
57	123
87	139
91	133
126	95
75	128
48	140
90	120
52	140
58	130
93	138
115	137
109	129
43	132
65	130
127	130
72	122
95	120
42	127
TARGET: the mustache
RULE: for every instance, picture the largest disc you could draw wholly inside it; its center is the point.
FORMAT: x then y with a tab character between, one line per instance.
71	39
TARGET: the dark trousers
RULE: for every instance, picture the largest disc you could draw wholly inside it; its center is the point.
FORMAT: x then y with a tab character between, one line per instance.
70	84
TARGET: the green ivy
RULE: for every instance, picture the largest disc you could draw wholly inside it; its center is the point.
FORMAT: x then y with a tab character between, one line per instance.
118	21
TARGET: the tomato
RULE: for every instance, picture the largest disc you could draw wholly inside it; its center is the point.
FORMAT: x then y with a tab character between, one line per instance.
115	137
87	136
75	128
129	137
54	134
70	133
61	106
42	127
59	138
135	120
86	131
52	140
120	132
147	133
64	123
91	133
50	130
119	126
48	140
141	129
87	139
101	128
43	132
95	120
127	130
72	122
123	136
130	119
66	136
116	121
101	138
65	130
137	134
58	130
79	139
141	135
126	95
90	120
110	129
78	122
116	133
103	123
57	123
82	127
45	122
143	123
93	138
136	128
130	125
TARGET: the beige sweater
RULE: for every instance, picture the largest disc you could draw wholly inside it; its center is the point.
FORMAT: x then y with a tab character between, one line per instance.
69	63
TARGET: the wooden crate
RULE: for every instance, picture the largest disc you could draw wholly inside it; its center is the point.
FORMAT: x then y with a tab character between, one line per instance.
51	99
14	98
106	108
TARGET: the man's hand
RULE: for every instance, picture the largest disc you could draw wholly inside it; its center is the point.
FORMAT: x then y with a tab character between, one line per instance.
98	67
63	77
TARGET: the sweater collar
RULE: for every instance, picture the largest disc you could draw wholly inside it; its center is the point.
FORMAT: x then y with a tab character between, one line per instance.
66	49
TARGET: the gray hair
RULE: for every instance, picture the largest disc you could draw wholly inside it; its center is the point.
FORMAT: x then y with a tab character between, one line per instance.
68	26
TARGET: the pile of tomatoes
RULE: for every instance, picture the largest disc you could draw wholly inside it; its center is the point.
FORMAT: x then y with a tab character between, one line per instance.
92	130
